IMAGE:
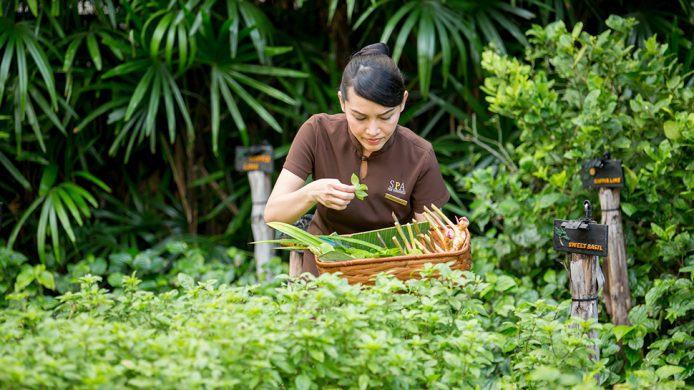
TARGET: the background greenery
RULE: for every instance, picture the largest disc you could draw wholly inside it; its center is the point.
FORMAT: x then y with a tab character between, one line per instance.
119	120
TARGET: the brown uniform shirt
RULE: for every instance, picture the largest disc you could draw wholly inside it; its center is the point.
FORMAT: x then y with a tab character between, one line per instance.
402	177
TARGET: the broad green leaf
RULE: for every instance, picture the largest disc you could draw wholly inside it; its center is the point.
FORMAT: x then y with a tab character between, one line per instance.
628	208
62	215
5	64
24	278
395	19
268	90
16	174
46	279
268	70
667	371
93	179
252	102
50	173
672	130
143	86
22	220
69	203
405	30
426	46
41	232
302	382
41	62
620	331
94	52
658	231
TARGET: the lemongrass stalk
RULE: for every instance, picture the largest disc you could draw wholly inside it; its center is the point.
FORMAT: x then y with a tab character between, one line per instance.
397	243
435	217
436	226
410	233
416	226
421	247
381	240
445	218
401	233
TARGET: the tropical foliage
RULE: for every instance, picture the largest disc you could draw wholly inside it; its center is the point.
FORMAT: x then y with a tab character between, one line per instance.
118	122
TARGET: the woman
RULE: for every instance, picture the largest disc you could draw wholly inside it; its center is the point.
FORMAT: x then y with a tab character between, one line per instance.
399	167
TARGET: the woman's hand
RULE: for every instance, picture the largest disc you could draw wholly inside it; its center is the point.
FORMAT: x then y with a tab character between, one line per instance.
331	193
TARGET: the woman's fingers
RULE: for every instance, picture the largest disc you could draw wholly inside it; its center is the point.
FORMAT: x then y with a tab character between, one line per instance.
333	194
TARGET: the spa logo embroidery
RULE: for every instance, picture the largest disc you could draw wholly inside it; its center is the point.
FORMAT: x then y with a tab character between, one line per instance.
396	187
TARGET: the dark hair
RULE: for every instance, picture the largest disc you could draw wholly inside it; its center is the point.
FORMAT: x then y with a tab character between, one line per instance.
374	76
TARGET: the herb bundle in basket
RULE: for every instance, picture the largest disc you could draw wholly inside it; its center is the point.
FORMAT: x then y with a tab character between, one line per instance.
401	249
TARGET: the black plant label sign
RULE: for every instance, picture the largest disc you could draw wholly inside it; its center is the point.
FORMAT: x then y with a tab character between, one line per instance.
602	173
254	158
580	237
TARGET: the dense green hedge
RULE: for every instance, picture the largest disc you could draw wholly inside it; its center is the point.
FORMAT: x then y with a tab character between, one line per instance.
453	332
575	96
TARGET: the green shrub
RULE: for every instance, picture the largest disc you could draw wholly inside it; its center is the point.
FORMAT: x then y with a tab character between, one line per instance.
573	97
318	333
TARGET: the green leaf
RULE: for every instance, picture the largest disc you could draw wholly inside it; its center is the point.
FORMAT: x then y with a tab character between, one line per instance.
546	374
658	231
667	371
504	283
94	52
143	86
55	200
93	179
70	53
620	331
672	130
16	174
303	382
45	278
559	179
629	209
25	277
50	173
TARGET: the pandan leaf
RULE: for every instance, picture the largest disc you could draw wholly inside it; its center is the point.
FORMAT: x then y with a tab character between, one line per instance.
386	234
304	238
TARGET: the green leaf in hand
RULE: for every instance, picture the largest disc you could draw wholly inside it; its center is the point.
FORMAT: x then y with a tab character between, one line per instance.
361	188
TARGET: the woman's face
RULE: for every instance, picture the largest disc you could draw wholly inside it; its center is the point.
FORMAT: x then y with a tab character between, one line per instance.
370	123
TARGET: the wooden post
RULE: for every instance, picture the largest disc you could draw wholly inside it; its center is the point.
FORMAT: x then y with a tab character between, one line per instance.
296	260
585	281
616	292
260	192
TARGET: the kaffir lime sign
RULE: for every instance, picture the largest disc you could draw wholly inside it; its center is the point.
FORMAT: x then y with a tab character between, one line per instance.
602	173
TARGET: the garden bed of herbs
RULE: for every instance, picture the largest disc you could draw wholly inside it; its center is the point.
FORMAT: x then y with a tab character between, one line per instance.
459	330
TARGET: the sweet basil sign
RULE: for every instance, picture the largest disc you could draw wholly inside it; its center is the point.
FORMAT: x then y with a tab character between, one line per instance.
580	236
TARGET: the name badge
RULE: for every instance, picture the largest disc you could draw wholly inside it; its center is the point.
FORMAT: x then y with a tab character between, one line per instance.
396	199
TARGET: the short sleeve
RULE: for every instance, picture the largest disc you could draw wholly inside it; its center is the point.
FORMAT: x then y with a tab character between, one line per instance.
430	186
301	157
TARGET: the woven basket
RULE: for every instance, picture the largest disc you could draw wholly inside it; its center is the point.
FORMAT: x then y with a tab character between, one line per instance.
402	267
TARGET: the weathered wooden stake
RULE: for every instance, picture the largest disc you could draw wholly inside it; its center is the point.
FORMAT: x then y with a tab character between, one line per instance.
616	292
260	192
585	282
296	260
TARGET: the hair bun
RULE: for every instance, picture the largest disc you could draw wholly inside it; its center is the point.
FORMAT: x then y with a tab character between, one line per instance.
373	49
